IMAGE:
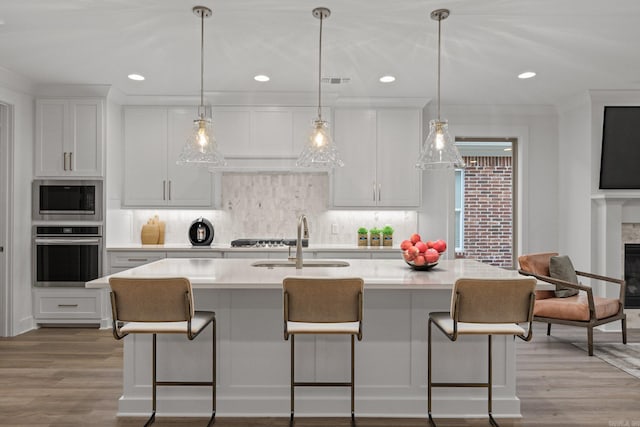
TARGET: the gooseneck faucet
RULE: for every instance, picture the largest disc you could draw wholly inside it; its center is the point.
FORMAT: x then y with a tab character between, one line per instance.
302	223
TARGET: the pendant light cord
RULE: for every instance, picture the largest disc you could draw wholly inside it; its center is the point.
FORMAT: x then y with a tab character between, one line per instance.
320	69
202	59
438	93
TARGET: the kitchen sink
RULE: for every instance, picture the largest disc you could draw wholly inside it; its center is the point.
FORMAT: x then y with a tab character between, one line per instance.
271	263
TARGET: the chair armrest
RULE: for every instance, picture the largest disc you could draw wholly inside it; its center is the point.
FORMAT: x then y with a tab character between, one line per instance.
558	282
620	282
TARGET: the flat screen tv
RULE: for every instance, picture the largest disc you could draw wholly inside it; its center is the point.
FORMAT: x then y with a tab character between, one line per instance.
620	160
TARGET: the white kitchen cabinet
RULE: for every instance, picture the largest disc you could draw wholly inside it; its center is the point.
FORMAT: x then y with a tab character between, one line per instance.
263	132
69	137
70	306
379	148
124	260
153	139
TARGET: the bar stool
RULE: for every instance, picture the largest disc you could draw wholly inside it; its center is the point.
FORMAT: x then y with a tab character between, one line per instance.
483	307
161	306
322	306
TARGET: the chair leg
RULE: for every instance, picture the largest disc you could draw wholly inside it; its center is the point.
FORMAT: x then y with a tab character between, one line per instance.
490	383
292	338
152	418
353	381
624	330
548	328
590	340
431	422
214	381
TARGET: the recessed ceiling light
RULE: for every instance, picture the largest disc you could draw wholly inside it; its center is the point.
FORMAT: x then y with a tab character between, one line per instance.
136	77
526	75
261	78
387	79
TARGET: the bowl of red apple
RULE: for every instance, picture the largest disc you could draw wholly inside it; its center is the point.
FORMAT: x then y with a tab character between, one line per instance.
422	255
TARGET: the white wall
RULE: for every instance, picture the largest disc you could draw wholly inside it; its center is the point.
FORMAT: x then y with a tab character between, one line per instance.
536	128
14	92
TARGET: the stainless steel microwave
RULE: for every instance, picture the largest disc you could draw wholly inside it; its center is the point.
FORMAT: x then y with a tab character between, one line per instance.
67	200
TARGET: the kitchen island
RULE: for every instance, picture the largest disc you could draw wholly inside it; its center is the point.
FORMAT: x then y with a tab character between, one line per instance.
253	358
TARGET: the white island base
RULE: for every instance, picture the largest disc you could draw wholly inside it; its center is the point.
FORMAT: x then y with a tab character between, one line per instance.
253	358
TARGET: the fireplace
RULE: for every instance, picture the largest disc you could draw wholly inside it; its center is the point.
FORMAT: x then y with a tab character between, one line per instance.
632	275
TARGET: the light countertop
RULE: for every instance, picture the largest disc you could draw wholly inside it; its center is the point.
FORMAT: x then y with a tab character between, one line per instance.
377	274
227	247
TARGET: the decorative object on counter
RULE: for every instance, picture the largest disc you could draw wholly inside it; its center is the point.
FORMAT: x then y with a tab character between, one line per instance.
153	232
422	255
374	236
387	235
320	151
363	237
201	232
201	148
439	150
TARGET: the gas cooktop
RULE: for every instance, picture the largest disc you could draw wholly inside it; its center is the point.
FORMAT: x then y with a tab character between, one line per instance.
266	243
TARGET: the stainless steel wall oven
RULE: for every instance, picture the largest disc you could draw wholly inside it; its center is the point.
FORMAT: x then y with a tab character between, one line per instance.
66	255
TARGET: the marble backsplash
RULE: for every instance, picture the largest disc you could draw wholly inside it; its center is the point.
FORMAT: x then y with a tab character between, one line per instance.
267	205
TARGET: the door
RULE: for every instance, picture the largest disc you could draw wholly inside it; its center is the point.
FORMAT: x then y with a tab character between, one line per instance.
51	136
145	151
85	141
186	185
485	201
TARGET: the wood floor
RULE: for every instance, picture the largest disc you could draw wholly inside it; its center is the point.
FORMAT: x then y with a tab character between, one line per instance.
73	377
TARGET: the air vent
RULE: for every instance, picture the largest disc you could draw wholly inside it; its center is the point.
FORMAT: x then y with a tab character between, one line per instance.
336	80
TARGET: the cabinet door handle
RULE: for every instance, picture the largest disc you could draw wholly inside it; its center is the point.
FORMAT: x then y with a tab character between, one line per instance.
70	160
1	248
164	190
137	259
374	191
64	160
169	190
379	192
67	305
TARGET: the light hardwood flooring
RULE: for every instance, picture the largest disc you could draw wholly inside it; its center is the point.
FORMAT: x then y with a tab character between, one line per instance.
73	377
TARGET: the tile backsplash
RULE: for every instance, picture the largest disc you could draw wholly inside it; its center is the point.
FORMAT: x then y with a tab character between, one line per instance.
265	205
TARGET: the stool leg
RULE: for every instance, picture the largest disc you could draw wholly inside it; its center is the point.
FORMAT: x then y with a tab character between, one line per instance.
214	383
154	381
353	382
490	386
431	422
292	337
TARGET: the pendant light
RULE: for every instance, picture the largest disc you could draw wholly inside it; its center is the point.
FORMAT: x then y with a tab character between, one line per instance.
201	147
320	151
439	151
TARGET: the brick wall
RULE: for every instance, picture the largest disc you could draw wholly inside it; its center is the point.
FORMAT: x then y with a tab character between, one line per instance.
488	209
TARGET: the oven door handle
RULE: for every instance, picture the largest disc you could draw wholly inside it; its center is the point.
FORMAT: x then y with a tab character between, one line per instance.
67	241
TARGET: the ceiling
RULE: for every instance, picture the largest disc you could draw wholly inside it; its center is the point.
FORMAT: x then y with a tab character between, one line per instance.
572	45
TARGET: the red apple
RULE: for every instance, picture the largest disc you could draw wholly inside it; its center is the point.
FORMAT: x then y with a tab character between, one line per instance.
431	256
406	244
440	245
420	260
430	243
422	246
414	251
407	256
415	238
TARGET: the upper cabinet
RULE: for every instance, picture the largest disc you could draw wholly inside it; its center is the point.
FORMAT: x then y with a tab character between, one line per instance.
153	139
69	137
379	148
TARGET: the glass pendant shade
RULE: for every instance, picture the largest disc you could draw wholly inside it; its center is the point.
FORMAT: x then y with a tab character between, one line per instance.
439	151
201	148
320	151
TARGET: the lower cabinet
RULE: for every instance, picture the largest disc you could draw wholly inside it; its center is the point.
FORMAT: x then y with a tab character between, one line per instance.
71	306
124	260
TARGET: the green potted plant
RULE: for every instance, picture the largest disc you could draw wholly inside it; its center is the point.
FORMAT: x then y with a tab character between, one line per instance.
374	236
363	237
387	235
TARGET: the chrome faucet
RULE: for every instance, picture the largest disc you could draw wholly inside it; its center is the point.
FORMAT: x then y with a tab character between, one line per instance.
302	222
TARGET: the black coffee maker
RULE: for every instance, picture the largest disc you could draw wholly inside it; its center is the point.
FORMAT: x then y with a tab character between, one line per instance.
201	232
